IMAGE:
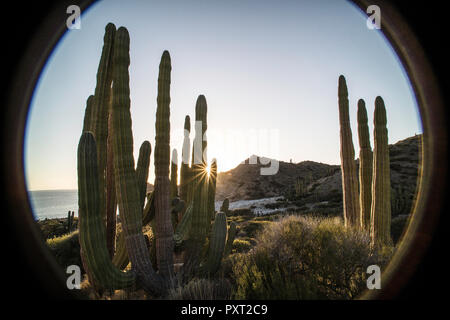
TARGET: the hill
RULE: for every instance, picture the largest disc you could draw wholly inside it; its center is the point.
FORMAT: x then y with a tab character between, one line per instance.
320	183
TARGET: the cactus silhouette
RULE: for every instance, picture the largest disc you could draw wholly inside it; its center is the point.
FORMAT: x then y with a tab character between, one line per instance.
174	174
381	183
348	166
193	231
365	166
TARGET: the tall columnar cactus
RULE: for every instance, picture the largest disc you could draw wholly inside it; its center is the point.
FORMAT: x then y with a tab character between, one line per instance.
69	221
201	217
92	234
100	109
174	174
130	188
185	155
381	184
164	229
111	200
217	242
348	165
365	166
128	197
212	189
225	207
142	168
87	123
232	231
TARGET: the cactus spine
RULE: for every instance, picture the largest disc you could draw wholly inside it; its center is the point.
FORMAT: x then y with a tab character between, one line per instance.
164	229
174	174
349	178
381	184
365	166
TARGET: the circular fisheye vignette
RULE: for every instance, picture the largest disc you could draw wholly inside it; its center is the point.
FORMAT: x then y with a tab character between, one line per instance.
427	207
50	278
418	233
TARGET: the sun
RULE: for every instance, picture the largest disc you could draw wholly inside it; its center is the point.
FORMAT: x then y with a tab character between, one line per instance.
208	170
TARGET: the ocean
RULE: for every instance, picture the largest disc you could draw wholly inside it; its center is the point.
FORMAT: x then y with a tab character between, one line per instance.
53	203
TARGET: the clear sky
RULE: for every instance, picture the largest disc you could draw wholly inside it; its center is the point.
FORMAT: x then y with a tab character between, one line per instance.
269	70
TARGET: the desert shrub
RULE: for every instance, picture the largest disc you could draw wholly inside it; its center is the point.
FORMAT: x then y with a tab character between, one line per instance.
202	289
66	250
305	258
240	245
397	226
253	227
241	212
51	228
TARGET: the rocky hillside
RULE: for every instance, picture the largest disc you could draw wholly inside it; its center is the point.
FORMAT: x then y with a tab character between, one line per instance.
310	185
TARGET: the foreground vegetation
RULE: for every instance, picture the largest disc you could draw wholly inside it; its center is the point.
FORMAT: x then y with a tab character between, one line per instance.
273	257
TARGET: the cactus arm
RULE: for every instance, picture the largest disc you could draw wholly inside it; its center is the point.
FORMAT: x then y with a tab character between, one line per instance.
225	207
87	123
232	231
349	178
381	184
111	200
183	227
128	197
142	168
184	170
121	259
174	174
100	109
163	224
365	166
217	243
212	189
91	227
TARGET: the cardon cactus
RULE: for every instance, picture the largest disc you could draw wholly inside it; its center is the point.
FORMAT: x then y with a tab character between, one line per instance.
365	166
201	218
100	109
120	258
92	235
232	231
174	174
111	200
212	189
164	229
128	197
217	242
381	183
183	227
185	154
225	207
348	165
194	229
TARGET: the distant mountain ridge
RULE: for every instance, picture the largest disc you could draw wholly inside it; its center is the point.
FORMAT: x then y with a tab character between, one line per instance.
324	181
